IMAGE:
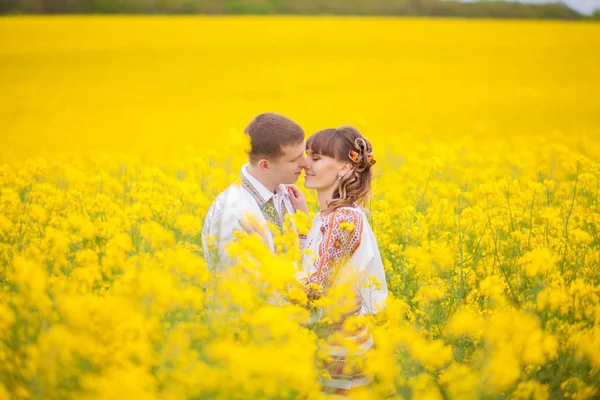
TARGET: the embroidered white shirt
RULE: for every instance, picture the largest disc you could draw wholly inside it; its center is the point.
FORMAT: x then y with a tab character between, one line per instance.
336	253
232	205
281	197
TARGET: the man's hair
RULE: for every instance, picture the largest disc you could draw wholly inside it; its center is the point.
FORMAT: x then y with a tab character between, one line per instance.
268	133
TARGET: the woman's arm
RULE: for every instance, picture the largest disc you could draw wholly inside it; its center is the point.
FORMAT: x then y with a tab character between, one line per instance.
342	231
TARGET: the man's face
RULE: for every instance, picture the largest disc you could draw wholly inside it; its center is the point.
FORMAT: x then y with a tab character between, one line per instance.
288	167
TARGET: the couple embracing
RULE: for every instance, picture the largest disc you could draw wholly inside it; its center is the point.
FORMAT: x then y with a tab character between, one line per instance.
337	164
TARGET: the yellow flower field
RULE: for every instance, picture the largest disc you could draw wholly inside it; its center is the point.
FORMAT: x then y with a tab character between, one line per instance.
116	134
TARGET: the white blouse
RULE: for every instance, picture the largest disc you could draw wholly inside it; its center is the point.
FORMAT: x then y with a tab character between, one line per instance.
345	234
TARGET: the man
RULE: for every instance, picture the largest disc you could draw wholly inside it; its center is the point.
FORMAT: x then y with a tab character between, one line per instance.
276	158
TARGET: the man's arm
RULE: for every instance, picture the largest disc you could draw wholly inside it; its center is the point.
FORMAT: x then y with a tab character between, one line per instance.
219	226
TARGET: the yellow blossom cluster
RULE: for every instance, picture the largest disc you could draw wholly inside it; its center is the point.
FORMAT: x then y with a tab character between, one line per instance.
117	133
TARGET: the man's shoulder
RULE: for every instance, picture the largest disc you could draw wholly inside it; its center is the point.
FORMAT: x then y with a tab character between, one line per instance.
234	199
224	207
232	194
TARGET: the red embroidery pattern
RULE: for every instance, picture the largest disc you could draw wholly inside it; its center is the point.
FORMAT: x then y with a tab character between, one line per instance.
338	244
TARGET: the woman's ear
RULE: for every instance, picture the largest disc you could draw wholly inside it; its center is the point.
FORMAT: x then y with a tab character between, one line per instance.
346	169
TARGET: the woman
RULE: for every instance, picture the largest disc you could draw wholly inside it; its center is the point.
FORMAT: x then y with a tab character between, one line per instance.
341	249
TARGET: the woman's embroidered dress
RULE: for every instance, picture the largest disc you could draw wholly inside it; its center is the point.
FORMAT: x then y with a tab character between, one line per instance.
342	246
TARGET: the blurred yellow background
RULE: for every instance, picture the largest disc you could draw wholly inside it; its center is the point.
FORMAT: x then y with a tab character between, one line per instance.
164	82
485	209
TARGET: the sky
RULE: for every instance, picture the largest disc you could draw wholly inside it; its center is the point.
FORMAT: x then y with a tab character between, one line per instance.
583	6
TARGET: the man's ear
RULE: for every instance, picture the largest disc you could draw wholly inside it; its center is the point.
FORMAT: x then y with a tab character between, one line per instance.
263	165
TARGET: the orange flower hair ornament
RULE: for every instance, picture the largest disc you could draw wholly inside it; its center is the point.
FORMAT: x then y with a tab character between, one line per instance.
371	160
355	157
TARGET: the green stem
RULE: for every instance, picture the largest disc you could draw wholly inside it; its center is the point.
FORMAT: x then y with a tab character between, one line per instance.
568	217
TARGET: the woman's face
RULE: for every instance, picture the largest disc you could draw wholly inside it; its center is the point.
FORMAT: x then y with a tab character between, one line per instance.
321	172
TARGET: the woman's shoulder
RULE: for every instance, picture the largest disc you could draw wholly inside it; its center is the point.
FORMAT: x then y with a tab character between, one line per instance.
346	214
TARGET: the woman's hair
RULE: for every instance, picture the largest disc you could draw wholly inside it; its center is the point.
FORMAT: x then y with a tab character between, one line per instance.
346	144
